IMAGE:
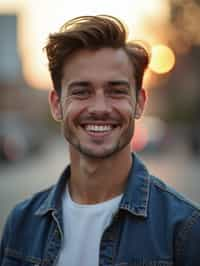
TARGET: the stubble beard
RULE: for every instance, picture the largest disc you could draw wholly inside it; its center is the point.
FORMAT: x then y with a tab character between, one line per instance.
123	141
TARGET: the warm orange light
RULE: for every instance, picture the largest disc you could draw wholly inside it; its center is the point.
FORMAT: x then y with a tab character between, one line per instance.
163	59
35	23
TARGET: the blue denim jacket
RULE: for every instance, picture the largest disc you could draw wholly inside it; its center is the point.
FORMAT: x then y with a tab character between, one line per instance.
154	226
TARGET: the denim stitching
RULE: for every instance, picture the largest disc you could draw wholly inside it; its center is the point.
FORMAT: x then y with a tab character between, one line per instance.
17	255
164	187
146	263
182	235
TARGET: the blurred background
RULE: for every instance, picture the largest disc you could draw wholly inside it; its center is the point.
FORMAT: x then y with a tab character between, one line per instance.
32	151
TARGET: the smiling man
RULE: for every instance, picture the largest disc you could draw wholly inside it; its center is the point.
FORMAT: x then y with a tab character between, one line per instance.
106	209
97	110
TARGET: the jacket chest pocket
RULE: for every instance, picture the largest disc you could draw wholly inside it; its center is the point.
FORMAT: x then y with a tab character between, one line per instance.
12	258
147	263
17	262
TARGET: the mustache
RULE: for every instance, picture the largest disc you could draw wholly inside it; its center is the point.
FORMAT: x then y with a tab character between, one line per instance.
99	117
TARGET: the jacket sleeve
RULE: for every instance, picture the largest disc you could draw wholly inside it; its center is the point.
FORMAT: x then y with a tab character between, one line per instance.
188	242
4	240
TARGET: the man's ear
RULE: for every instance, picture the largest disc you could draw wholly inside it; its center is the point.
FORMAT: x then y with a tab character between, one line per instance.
140	104
55	105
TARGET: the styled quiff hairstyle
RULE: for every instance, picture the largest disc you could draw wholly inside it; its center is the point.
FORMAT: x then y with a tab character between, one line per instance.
92	32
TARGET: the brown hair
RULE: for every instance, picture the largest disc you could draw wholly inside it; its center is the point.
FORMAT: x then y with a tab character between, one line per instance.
92	32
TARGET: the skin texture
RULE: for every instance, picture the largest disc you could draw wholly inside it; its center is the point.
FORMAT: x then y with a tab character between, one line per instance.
98	90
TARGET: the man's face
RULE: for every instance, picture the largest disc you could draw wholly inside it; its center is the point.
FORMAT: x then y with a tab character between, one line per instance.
98	102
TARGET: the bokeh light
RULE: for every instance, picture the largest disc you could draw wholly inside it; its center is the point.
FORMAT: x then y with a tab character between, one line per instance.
38	18
163	59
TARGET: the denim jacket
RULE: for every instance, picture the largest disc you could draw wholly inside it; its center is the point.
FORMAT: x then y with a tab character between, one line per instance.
154	226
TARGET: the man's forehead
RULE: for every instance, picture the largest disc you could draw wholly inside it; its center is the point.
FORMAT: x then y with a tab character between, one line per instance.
105	61
86	56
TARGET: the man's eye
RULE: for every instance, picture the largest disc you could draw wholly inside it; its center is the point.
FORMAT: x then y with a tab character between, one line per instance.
119	91
80	92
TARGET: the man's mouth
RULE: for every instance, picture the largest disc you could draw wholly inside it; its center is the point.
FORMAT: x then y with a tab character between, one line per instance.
98	128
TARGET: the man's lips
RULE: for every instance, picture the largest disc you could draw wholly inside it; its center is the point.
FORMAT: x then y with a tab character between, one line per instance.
99	129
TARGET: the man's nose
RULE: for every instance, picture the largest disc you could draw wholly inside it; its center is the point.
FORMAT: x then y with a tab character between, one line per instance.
100	104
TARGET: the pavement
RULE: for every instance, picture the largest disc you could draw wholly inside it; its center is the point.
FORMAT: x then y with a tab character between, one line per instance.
20	180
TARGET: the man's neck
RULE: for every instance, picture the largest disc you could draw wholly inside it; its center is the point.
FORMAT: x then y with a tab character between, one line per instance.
97	180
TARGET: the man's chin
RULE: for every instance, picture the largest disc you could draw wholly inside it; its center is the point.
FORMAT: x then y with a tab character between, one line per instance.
99	154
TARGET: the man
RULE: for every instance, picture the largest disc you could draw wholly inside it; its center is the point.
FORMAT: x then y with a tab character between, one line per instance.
106	209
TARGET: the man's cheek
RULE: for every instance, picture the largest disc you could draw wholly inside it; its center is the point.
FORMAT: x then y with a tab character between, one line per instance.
130	112
68	110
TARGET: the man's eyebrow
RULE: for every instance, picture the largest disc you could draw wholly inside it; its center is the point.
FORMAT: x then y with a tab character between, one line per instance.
78	83
119	82
86	83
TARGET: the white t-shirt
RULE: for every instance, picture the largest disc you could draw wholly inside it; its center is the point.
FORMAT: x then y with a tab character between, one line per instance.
83	229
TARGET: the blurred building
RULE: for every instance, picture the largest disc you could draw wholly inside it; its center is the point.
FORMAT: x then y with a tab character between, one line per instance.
10	70
16	95
176	95
23	110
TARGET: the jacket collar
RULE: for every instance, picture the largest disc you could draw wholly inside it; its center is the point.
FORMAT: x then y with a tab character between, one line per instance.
136	196
53	202
135	199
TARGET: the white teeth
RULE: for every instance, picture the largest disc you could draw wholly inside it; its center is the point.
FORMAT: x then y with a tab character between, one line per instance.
98	128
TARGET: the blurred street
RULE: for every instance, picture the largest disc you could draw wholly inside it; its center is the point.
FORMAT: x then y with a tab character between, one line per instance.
20	180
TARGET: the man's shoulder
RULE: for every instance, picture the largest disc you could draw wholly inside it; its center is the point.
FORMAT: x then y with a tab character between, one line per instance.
29	206
183	215
172	196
